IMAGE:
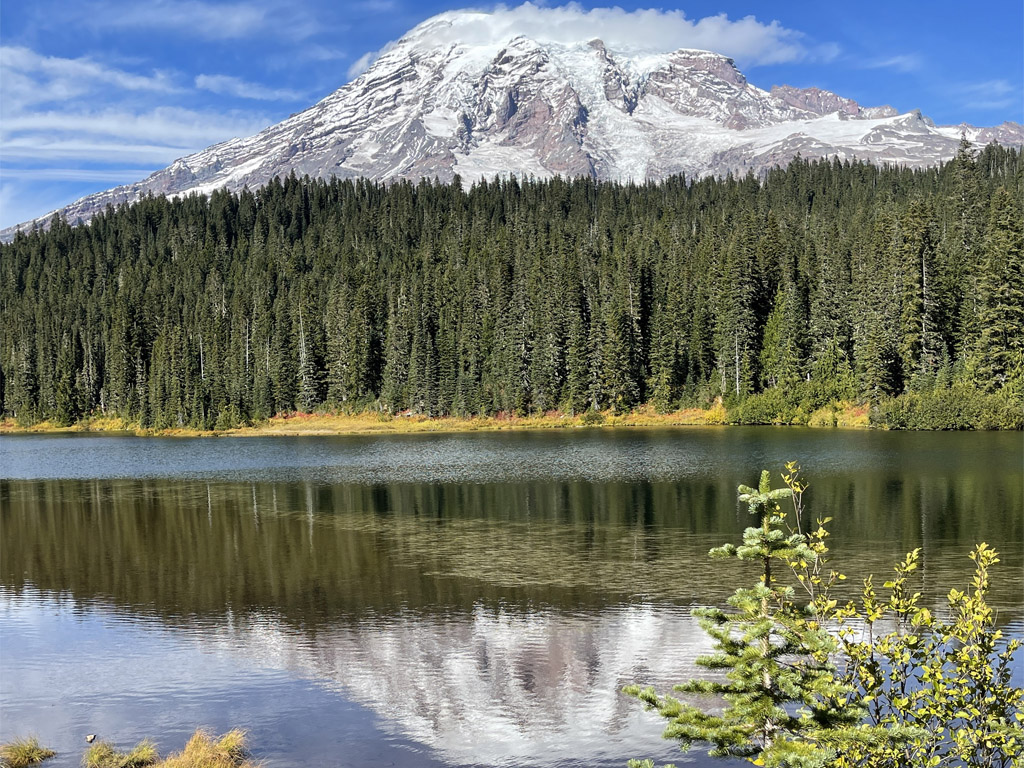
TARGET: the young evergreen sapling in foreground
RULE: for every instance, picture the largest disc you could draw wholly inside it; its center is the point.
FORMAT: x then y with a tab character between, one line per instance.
879	684
782	690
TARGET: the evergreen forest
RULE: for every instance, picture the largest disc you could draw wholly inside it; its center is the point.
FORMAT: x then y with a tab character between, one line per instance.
825	282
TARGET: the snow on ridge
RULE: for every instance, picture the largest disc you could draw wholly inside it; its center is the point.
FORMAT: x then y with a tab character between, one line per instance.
453	97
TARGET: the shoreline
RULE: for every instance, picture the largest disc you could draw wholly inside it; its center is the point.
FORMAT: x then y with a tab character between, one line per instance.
372	422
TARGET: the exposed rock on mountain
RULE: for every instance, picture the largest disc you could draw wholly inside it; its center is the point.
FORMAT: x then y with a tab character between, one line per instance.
431	107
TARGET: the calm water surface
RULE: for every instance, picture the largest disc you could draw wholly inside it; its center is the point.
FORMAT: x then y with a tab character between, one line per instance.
430	600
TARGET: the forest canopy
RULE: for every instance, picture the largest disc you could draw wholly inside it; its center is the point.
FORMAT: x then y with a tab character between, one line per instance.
822	282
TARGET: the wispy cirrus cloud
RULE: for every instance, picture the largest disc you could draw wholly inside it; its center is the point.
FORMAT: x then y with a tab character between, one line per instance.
106	175
159	135
363	63
243	89
58	109
903	62
206	20
200	19
999	94
32	78
70	124
376	6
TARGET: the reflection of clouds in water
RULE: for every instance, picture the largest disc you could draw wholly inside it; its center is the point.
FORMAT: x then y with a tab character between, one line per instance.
70	668
496	687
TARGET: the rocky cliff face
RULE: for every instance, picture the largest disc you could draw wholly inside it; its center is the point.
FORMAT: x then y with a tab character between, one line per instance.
516	105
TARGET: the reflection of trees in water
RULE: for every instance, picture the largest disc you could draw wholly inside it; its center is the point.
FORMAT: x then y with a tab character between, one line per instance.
472	617
317	554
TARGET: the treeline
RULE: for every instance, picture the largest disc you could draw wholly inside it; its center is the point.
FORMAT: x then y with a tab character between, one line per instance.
821	282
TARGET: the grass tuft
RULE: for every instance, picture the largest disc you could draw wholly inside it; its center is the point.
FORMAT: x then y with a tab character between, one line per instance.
21	753
103	755
204	751
144	753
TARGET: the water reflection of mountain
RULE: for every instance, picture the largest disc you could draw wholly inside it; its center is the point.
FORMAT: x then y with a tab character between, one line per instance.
494	687
488	621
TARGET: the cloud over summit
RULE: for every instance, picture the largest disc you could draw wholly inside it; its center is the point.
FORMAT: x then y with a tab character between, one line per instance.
748	40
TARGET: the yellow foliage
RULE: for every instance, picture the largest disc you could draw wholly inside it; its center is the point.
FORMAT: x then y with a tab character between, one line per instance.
716	414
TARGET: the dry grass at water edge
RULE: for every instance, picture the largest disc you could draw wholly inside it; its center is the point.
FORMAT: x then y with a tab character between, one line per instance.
203	750
372	422
22	753
841	414
103	755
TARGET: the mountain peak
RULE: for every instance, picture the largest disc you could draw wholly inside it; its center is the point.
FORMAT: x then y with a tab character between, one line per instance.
475	94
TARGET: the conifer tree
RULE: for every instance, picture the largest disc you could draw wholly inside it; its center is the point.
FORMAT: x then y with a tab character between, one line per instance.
963	245
23	392
578	364
735	334
1000	347
782	693
526	296
889	684
919	343
66	392
780	347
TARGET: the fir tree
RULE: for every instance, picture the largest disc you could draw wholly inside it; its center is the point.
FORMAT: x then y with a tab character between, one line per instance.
782	693
1000	348
526	296
780	347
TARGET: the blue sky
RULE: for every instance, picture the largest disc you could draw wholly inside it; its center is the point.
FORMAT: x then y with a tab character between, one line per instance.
95	93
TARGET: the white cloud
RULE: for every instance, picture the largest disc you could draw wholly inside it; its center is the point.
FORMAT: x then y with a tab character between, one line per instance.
362	64
314	52
904	62
376	6
991	87
750	41
156	136
989	95
205	20
234	86
105	175
61	109
747	39
22	202
46	149
199	19
30	78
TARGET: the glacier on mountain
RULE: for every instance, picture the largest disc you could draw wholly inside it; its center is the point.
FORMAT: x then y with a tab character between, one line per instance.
456	96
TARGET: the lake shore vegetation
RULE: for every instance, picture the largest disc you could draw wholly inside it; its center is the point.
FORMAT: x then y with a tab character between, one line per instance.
899	291
953	409
22	753
801	680
377	422
203	750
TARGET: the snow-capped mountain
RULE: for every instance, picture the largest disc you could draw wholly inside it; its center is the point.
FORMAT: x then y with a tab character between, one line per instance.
436	105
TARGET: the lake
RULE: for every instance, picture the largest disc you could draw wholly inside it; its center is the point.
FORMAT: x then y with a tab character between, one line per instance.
432	600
